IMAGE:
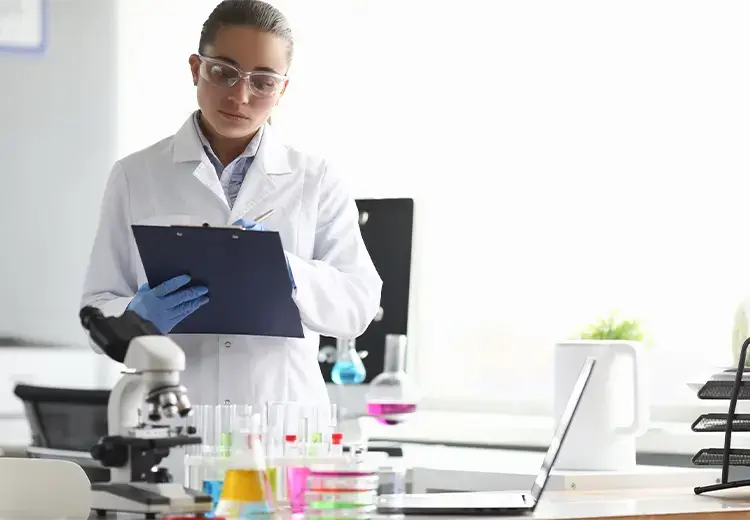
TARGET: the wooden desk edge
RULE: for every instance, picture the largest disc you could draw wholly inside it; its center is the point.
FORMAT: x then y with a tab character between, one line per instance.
722	515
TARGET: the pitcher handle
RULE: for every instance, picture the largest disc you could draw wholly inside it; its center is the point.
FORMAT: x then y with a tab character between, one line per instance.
640	406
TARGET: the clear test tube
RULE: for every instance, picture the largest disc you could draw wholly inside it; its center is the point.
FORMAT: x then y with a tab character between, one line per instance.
199	458
306	432
205	424
226	418
241	428
193	421
327	420
319	423
275	429
192	460
292	413
316	431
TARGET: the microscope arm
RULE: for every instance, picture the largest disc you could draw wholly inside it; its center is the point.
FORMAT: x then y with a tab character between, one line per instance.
125	401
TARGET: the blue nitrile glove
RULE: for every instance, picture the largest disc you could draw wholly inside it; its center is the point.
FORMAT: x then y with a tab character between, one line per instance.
291	276
255	226
168	304
250	225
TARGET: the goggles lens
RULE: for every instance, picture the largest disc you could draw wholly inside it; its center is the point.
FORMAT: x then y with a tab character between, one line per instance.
261	84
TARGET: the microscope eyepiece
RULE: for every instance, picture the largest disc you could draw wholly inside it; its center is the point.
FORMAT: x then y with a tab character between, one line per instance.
113	334
89	314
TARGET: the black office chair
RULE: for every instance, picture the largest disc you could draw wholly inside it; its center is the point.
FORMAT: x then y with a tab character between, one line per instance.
66	423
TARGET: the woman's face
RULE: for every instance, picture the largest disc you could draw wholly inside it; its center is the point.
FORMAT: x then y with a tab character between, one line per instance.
233	104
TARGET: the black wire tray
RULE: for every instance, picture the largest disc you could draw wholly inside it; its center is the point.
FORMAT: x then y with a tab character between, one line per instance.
717	422
715	457
725	457
723	390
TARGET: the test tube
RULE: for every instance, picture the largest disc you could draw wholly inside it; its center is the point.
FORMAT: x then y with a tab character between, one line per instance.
241	424
304	438
203	417
337	446
290	445
192	461
199	461
226	417
329	420
193	421
275	423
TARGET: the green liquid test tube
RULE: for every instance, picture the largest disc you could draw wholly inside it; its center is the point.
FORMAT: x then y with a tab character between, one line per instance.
226	444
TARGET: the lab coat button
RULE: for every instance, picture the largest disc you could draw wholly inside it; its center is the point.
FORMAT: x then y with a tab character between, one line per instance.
227	344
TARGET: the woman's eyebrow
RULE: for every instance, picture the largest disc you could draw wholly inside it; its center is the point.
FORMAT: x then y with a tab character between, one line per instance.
257	69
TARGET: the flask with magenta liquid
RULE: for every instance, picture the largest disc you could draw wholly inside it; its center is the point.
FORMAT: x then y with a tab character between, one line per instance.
392	395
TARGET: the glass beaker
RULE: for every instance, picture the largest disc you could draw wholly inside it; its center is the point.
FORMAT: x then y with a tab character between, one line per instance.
392	395
348	368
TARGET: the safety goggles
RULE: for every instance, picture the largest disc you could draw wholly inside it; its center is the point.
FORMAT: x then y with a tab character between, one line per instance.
260	83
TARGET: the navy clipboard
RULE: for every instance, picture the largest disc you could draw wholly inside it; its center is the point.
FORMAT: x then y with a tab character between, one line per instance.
246	273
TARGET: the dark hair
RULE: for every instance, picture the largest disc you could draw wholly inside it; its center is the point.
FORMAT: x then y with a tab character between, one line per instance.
247	13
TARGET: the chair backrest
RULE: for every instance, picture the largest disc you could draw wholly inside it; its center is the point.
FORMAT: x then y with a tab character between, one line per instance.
41	488
64	418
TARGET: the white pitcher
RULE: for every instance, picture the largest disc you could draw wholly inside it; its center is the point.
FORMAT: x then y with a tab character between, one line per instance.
613	411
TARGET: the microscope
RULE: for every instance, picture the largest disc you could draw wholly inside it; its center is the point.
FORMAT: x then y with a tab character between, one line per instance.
137	441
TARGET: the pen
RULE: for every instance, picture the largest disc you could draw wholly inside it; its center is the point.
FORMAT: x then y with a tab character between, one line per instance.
264	216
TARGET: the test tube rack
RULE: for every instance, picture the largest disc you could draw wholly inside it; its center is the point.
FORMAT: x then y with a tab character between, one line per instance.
728	423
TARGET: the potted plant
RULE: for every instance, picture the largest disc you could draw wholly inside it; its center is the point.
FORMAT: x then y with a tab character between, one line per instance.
614	327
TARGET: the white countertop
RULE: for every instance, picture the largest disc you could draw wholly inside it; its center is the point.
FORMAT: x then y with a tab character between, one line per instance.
679	503
669	504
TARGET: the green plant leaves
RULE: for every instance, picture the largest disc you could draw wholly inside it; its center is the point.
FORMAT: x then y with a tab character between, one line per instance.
614	328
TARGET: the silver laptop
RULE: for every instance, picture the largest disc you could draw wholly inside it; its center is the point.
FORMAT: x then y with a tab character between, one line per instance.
494	502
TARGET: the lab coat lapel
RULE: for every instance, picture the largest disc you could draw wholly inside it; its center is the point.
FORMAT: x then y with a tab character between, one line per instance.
270	162
189	154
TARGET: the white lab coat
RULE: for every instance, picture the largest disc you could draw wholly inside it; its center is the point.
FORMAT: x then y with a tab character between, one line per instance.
338	288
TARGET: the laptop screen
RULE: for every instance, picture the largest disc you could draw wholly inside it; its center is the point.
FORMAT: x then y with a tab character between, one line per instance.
562	429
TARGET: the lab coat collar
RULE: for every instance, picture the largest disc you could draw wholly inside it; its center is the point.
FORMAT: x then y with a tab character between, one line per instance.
271	160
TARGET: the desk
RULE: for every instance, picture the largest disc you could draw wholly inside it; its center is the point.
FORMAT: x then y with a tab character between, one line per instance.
656	504
669	504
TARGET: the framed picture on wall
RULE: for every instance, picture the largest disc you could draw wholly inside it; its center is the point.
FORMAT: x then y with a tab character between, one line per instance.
23	26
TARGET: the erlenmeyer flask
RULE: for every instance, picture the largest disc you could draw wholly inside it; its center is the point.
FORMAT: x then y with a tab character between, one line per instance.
348	368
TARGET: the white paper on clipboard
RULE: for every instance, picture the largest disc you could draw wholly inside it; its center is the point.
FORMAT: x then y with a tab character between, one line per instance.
22	24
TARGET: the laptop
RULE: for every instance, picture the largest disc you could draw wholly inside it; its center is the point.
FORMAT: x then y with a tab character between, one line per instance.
494	502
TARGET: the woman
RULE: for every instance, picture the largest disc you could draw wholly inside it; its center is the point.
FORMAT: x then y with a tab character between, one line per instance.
225	165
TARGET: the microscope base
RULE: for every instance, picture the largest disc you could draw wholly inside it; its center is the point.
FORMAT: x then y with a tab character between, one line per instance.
147	498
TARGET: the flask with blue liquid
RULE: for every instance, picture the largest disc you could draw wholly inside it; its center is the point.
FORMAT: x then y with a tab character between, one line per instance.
348	368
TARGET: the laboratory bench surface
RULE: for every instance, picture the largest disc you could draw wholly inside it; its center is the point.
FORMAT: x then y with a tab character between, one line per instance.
655	504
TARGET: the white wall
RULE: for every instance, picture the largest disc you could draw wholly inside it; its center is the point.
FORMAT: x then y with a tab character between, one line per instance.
58	123
57	141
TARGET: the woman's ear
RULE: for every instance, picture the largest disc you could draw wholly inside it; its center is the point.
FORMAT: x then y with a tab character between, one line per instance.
195	65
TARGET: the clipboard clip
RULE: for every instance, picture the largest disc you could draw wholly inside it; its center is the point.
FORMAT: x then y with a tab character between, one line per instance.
260	218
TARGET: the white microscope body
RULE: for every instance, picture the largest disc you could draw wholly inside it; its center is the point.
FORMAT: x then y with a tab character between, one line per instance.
138	440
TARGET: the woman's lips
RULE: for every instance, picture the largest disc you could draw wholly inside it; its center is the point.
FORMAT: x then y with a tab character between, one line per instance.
232	116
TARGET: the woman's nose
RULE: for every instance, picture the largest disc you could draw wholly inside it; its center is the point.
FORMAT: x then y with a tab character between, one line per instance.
240	92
